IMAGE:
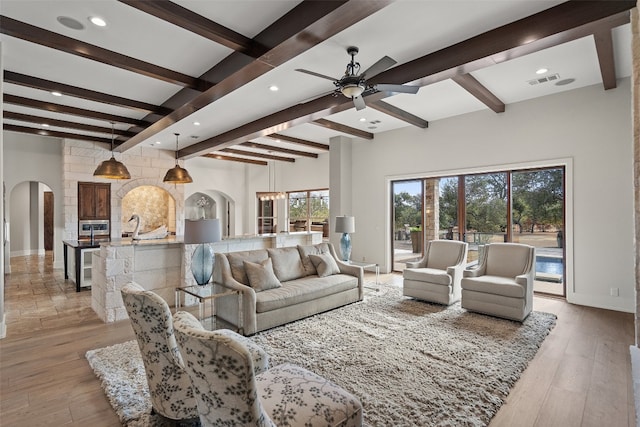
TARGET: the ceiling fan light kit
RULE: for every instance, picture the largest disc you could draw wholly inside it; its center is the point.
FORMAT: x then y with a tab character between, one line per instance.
355	86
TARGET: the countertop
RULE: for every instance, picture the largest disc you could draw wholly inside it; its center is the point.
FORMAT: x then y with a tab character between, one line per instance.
85	244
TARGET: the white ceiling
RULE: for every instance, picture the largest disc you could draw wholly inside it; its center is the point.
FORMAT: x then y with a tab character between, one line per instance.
403	30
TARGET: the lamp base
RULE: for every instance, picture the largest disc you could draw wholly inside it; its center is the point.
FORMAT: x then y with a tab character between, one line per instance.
345	246
202	264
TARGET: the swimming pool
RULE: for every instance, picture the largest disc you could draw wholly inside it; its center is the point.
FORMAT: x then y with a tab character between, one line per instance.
549	265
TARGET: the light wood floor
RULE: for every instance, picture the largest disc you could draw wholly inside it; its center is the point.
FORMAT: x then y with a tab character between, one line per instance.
580	377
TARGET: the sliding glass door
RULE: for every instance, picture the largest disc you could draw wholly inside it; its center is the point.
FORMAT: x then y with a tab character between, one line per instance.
524	206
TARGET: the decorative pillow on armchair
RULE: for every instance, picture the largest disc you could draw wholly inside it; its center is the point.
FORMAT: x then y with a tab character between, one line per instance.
261	276
325	264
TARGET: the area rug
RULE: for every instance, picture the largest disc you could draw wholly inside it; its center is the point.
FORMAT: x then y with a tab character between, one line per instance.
411	363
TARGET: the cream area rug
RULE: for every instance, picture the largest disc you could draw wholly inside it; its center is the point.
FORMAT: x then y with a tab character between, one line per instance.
411	363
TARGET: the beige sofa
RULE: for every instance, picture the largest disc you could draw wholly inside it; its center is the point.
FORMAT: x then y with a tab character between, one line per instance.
281	285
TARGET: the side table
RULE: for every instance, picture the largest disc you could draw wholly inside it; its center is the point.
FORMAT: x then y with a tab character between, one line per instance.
209	293
366	265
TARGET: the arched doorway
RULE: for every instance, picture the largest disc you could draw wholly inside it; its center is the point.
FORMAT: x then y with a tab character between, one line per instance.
212	204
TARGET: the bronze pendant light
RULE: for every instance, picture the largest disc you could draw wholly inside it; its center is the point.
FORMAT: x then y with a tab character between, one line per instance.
177	175
112	169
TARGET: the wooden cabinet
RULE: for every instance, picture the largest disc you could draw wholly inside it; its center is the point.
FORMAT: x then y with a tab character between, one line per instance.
94	200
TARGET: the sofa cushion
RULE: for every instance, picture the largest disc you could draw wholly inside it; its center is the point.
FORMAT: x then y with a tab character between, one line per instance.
286	263
302	290
236	262
431	275
495	285
261	276
325	264
306	250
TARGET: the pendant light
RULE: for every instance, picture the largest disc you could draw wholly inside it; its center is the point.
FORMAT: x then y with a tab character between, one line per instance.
112	169
177	175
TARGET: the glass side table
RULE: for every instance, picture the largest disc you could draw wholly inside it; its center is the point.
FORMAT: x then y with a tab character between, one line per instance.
208	293
366	265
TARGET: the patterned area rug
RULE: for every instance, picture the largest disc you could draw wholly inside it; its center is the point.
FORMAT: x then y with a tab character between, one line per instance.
411	363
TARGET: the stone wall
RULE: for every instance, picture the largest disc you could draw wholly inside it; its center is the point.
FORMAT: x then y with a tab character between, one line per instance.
635	109
432	209
147	166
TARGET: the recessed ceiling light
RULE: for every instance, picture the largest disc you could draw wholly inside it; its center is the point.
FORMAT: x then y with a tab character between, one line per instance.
565	82
56	93
45	125
196	123
158	142
274	88
541	70
97	21
70	23
362	119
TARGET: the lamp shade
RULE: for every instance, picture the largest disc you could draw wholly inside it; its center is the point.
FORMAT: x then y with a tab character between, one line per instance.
345	224
202	231
177	175
112	169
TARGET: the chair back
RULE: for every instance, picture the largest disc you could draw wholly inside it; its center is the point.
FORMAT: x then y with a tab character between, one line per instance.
169	384
222	374
509	259
445	253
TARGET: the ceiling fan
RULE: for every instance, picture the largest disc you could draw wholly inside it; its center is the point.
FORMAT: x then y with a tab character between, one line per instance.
355	86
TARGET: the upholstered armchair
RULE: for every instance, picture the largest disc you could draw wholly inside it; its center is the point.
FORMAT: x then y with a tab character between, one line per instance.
231	392
169	384
502	284
436	277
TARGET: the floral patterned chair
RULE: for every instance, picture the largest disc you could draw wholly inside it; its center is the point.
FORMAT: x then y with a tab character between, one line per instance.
231	392
169	384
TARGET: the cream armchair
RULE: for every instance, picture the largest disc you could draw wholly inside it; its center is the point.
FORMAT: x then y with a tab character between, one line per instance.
436	277
169	384
502	284
231	392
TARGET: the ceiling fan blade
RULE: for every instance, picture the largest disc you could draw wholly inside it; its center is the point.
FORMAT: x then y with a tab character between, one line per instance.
397	88
379	67
358	101
312	73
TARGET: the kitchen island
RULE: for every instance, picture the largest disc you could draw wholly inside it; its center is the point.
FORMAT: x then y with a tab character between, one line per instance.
161	265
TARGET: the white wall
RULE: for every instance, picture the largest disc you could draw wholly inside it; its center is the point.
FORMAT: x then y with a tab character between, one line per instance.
33	158
589	126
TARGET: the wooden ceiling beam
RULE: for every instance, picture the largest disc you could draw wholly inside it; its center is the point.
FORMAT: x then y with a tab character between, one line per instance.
308	24
33	34
339	127
565	22
279	149
191	21
475	88
604	48
53	133
299	141
90	95
63	123
65	109
259	155
235	159
398	113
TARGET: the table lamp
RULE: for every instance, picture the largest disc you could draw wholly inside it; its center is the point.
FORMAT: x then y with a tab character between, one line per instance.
201	232
345	225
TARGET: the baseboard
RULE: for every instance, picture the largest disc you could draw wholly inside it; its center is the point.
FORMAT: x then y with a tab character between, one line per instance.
604	302
635	376
27	252
3	327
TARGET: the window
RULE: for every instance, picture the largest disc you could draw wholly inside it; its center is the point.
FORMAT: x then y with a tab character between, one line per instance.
309	211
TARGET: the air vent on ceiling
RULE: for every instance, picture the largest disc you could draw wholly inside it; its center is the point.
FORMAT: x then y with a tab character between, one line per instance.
545	79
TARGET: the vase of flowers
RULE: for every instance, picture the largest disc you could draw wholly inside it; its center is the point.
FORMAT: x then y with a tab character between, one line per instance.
202	203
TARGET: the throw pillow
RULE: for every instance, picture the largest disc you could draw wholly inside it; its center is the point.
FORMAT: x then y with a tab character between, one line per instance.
287	264
325	264
261	276
305	251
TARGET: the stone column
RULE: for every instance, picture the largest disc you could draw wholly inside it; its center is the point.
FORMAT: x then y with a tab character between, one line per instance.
432	209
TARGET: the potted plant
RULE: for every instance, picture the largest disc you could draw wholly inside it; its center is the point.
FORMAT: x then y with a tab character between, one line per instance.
416	239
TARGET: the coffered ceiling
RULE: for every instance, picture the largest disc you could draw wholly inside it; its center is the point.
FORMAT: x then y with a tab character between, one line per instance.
158	67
